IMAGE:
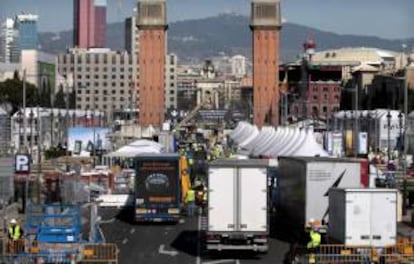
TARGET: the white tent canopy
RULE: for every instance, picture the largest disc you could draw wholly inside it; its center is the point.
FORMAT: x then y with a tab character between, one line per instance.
284	141
137	147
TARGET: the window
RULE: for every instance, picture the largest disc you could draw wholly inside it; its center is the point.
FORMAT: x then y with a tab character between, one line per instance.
104	99
325	109
96	84
87	106
315	89
325	97
315	98
87	99
96	58
79	68
96	91
113	91
122	91
105	92
79	91
87	91
325	89
105	84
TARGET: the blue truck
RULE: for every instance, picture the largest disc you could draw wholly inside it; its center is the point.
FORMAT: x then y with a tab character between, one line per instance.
157	188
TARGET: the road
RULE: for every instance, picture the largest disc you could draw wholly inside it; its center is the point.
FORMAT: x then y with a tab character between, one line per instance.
173	243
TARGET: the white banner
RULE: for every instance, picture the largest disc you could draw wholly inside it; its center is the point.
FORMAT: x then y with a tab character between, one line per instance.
363	143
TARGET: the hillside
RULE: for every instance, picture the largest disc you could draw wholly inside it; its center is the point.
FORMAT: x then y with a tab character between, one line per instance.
202	38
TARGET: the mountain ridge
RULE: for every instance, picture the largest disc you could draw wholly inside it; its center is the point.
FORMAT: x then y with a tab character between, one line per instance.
198	39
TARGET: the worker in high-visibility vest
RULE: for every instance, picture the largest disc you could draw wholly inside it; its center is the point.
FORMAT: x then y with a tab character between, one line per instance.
315	240
15	233
190	201
14	230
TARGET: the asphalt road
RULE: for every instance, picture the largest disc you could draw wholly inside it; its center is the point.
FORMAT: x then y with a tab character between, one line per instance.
173	243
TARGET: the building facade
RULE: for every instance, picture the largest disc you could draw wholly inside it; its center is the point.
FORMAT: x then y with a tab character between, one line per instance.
238	65
265	25
7	40
102	79
152	25
100	23
171	81
26	26
84	24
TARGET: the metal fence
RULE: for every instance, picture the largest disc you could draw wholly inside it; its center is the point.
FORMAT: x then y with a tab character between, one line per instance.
23	251
402	253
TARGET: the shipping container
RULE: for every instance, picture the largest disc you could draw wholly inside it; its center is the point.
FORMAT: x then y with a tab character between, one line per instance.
363	217
237	205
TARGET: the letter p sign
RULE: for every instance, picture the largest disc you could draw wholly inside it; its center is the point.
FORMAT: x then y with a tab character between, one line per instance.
22	163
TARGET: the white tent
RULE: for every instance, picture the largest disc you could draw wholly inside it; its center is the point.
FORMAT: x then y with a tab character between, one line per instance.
310	147
137	147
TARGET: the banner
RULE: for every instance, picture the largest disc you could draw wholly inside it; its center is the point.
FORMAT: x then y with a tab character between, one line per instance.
363	143
83	140
337	144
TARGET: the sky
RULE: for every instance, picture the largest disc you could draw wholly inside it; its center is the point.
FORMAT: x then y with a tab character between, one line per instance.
393	19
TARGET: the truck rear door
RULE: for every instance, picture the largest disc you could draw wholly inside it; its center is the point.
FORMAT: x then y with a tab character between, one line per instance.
383	217
252	199
221	199
358	225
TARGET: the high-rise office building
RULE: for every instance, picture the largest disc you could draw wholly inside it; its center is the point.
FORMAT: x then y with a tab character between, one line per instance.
100	23
152	25
7	40
265	25
84	24
26	25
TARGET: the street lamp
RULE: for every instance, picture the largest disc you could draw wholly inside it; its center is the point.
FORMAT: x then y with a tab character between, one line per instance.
389	136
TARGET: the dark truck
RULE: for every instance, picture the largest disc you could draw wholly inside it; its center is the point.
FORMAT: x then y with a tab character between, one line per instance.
157	188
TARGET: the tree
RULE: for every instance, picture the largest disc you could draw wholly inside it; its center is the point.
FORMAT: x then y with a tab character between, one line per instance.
60	99
11	91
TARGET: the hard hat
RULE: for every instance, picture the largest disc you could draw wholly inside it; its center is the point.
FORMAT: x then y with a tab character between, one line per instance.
13	221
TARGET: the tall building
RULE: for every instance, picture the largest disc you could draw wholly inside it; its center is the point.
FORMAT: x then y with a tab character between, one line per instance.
7	40
26	25
171	81
102	78
152	25
238	65
100	23
265	25
84	24
131	35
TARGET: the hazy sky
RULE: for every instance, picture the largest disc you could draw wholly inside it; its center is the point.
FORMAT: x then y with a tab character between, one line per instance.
383	18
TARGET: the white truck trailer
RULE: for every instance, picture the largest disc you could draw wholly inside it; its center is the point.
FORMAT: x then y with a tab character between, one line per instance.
303	186
237	205
363	217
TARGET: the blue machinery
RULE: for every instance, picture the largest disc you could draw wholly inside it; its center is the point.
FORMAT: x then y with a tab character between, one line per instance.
53	234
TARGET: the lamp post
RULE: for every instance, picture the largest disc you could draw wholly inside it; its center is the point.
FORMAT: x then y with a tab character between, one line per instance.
389	136
401	164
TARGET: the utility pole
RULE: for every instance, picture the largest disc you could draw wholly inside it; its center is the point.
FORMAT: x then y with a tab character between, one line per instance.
404	160
356	137
24	112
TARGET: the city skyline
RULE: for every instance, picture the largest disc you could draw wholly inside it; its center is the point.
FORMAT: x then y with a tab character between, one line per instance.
366	15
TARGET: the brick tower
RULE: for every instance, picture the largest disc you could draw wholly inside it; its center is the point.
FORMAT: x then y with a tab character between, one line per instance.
152	25
265	25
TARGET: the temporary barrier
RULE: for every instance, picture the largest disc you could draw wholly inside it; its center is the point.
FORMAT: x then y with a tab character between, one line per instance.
23	251
99	253
403	252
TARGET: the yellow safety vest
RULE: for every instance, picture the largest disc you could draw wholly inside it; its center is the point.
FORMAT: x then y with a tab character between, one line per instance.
14	233
190	196
315	239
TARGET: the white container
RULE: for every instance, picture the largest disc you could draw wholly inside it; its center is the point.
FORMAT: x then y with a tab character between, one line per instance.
304	184
237	205
363	217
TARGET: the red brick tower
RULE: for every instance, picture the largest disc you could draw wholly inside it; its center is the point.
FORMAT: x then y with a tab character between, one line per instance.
265	25
152	25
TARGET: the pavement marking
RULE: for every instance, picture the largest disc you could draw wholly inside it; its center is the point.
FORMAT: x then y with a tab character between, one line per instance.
222	261
132	231
109	221
162	250
198	259
125	241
